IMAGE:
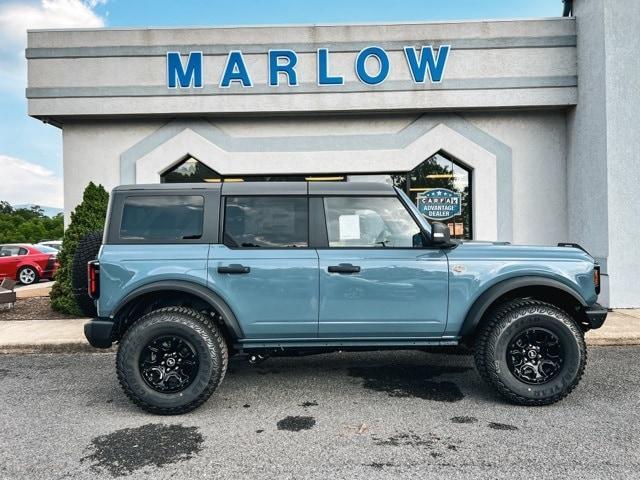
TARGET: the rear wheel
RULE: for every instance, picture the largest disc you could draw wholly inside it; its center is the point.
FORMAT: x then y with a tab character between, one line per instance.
28	275
171	360
531	352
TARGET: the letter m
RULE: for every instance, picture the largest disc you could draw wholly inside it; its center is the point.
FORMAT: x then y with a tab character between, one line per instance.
184	77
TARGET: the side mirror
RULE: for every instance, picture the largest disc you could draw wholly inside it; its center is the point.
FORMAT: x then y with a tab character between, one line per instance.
418	240
440	234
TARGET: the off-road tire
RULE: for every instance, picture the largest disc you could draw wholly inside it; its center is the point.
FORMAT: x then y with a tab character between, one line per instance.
86	250
502	325
200	331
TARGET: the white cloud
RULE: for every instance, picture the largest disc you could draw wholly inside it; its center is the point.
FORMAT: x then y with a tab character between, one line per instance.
25	182
18	16
22	181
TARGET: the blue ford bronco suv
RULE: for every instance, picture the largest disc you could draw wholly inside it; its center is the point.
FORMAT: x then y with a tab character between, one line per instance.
186	275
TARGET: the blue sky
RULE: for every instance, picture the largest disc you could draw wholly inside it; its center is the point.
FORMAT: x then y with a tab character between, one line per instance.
31	152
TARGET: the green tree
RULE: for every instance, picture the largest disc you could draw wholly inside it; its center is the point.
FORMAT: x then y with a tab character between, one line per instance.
28	225
88	217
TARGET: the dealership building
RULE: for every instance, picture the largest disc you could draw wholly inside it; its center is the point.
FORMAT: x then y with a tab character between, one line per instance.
523	131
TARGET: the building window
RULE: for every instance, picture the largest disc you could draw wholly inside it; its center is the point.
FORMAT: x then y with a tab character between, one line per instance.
190	170
440	186
444	188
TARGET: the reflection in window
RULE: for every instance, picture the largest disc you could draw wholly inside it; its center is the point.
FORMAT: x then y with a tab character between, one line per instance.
381	222
167	218
271	222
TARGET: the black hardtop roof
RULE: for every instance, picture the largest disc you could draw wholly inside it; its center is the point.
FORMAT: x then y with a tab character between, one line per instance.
269	188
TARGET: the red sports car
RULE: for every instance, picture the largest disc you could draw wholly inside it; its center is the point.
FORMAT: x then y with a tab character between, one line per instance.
26	263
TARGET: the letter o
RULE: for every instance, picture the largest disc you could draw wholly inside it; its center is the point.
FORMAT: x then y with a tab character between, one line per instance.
361	70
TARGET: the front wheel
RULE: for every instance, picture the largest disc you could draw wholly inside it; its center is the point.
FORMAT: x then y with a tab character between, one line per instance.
171	360
531	352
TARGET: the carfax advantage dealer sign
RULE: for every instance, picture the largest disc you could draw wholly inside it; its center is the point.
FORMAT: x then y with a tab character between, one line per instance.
425	64
439	203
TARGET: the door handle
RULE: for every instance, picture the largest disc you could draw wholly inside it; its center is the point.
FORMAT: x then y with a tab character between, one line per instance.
233	268
344	268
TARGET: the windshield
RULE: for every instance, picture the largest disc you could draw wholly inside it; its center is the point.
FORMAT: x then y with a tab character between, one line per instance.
424	224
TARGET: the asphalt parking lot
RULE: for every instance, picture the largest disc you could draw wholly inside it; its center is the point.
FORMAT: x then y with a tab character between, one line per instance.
345	415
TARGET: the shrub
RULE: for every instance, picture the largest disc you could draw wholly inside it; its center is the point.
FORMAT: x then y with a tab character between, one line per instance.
88	217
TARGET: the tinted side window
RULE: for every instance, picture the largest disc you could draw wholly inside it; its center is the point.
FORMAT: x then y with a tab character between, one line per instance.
370	222
23	251
162	217
271	222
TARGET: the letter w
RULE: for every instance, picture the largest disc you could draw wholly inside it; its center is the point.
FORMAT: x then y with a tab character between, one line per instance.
427	63
184	77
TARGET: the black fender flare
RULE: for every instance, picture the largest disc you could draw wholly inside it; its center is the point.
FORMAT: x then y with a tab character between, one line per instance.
486	299
200	291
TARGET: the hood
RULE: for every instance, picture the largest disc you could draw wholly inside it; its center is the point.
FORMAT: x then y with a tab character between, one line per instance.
491	249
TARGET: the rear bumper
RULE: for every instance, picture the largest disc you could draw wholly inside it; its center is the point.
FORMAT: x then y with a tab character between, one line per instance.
50	268
99	332
596	315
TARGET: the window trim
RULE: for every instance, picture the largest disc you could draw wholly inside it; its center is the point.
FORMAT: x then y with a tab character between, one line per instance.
223	211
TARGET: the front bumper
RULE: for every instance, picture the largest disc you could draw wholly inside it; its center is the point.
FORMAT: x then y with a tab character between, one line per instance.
596	315
99	332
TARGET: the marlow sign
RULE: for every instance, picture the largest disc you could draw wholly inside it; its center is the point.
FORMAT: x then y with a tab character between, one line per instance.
282	63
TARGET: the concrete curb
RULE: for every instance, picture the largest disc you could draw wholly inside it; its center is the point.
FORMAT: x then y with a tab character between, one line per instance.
613	342
622	328
42	289
75	347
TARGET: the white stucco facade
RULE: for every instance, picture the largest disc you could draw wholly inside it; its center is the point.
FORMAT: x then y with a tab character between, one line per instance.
544	124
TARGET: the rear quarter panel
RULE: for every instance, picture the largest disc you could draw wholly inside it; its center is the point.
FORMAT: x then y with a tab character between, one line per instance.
124	268
474	268
35	259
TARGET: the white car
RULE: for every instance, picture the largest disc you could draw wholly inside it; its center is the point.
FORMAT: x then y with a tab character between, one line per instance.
56	244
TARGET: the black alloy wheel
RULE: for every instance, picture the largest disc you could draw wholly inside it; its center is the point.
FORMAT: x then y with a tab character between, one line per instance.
168	363
535	356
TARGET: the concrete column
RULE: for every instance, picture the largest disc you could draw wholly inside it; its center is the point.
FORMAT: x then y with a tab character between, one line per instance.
604	145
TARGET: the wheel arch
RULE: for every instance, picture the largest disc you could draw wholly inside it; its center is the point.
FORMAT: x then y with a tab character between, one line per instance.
540	288
173	292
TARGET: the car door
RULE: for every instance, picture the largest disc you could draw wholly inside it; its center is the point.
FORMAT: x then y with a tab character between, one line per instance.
377	280
264	268
9	260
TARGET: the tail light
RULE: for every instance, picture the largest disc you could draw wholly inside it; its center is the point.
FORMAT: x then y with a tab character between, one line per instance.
596	278
93	279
